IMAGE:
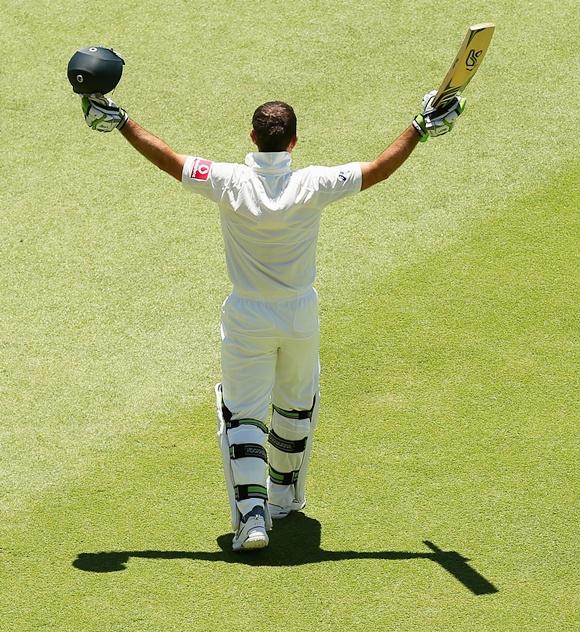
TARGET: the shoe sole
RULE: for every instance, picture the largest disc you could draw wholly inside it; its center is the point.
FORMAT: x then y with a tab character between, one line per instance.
253	542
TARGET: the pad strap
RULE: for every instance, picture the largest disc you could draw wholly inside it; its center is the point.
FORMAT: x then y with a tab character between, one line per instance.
293	414
286	445
235	423
245	450
283	478
243	492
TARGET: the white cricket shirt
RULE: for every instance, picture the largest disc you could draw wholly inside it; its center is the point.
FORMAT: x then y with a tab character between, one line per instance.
270	217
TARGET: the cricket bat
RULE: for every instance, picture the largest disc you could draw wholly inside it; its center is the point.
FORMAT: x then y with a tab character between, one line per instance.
466	63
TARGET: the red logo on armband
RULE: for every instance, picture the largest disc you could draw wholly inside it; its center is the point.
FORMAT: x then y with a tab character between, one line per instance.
201	169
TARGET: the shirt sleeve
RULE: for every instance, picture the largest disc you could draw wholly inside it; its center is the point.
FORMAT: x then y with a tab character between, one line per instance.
333	183
205	177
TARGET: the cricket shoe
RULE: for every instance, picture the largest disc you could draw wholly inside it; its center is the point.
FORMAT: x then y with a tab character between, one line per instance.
278	512
251	533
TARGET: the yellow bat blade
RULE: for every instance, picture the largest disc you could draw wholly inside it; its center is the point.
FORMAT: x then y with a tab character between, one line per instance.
466	63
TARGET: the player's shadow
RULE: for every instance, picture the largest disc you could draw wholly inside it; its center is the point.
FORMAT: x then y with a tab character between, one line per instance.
293	542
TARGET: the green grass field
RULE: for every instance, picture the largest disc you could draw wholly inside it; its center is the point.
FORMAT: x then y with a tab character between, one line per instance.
449	319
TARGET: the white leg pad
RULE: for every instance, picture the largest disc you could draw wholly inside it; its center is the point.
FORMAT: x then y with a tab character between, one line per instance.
247	471
244	460
290	441
225	450
301	482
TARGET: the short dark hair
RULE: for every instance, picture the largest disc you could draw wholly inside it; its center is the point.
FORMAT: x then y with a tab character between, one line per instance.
274	123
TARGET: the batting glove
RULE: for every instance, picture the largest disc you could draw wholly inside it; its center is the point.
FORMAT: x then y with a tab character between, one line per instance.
103	114
432	122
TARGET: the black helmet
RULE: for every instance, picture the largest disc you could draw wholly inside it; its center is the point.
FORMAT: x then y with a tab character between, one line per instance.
95	69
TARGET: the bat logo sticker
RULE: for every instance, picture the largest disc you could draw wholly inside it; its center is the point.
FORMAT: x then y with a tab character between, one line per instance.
472	59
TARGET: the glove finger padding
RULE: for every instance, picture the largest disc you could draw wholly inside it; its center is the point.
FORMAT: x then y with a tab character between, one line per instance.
437	122
428	97
102	114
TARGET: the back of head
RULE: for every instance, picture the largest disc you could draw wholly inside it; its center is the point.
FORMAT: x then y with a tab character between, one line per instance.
274	125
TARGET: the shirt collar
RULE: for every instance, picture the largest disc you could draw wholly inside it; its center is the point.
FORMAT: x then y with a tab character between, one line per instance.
270	162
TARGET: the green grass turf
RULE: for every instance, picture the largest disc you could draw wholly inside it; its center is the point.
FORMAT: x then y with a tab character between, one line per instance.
448	313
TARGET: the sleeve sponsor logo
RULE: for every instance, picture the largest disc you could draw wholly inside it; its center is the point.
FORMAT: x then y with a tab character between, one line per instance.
342	176
200	169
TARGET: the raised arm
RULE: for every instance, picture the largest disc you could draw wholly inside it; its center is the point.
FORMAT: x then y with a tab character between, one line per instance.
430	122
154	149
104	115
390	160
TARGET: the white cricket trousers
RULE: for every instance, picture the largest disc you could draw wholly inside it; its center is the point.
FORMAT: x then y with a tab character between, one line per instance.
269	354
